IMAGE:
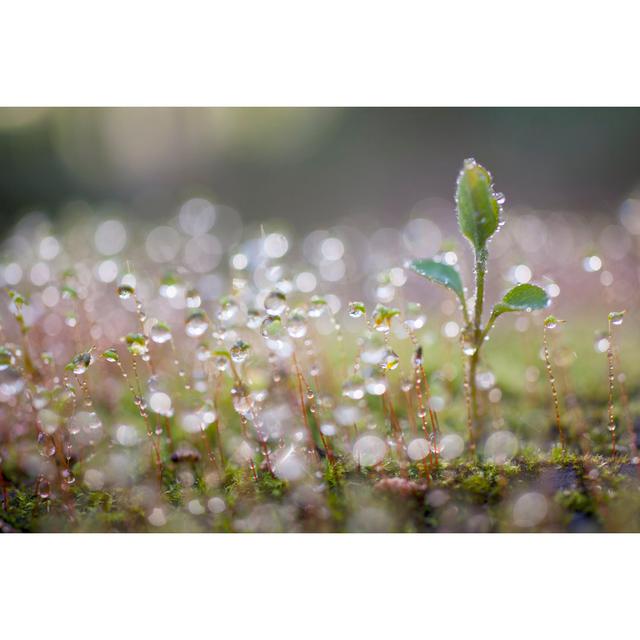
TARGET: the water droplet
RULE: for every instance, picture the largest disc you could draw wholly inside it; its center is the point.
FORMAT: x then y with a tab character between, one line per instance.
11	382
81	363
382	317
110	355
197	323
616	318
357	309
254	319
136	344
44	489
390	360
275	303
46	444
229	310
193	299
467	341
242	402
126	291
221	362
271	328
70	319
240	351
203	352
160	333
297	323
317	307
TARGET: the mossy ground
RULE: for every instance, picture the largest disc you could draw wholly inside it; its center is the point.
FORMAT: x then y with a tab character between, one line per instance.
585	493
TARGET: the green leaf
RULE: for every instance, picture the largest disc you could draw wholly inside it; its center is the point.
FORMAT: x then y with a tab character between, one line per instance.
439	273
523	297
477	204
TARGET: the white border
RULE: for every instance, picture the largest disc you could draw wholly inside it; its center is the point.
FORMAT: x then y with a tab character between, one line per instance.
295	53
319	587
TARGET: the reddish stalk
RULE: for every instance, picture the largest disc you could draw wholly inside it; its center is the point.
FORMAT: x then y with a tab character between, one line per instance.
626	411
303	409
610	366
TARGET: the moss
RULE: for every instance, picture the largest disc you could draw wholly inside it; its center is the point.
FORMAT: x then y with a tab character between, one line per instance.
334	474
576	501
271	486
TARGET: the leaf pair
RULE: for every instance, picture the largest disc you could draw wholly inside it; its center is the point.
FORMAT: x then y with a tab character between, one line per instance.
523	297
478	210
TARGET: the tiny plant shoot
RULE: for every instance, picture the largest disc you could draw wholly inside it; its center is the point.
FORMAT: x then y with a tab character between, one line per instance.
479	211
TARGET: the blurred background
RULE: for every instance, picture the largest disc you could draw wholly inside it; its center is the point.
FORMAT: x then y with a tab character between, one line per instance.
305	166
338	199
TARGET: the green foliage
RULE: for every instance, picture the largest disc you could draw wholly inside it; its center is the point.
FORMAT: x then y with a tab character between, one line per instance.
523	297
440	273
478	209
478	206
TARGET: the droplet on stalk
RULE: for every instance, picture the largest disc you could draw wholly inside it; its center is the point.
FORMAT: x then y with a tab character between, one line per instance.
297	323
240	351
357	309
126	291
271	328
136	344
275	303
197	323
160	332
317	307
390	360
616	318
80	363
11	381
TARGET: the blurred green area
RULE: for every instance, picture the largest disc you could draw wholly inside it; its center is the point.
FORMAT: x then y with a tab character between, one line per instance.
301	165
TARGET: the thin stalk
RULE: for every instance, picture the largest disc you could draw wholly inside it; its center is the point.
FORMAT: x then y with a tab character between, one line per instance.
626	412
303	409
467	400
612	420
554	390
478	336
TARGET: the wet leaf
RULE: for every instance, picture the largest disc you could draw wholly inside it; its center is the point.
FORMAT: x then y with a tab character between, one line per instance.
440	273
478	206
523	297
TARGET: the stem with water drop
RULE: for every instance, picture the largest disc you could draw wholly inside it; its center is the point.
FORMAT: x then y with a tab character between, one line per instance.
478	340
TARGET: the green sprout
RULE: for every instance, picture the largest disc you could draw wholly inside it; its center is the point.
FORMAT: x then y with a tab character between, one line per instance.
479	211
